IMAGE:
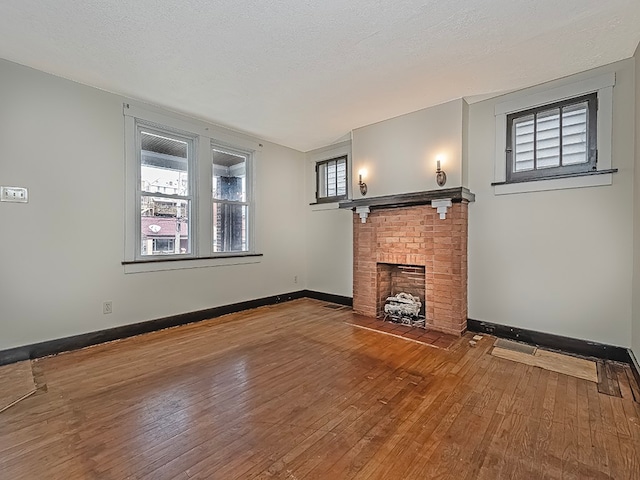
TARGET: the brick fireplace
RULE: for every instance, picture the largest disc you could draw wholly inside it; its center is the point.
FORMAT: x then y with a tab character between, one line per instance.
407	232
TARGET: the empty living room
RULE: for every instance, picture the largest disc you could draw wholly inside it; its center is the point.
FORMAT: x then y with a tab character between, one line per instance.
320	240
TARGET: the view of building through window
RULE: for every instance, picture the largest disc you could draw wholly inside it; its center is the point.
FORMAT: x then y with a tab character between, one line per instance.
230	202
165	203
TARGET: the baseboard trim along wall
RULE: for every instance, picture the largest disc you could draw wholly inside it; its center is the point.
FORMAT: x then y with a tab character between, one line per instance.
52	347
328	297
555	342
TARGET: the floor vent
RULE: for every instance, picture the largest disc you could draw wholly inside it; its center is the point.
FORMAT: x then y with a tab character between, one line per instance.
334	306
515	346
553	361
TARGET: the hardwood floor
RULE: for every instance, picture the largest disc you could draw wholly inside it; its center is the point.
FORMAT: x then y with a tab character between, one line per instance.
293	391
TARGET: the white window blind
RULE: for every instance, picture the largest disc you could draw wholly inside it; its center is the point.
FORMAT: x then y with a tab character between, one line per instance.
332	178
551	138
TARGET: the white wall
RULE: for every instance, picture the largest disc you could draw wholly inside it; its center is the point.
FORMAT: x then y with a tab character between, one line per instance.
557	261
61	253
329	232
399	154
635	341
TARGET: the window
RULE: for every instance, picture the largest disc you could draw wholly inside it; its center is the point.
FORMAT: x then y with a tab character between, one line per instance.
331	180
552	140
163	245
188	193
230	201
555	136
165	193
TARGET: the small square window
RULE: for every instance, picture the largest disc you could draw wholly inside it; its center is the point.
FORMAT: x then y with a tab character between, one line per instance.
331	180
552	140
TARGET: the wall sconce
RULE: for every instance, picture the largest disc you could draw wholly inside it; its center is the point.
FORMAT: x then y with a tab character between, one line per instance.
361	184
441	177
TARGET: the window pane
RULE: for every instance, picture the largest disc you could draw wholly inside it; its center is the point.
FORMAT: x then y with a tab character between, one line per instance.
229	176
230	227
342	177
548	139
574	134
164	226
332	178
322	180
164	164
523	144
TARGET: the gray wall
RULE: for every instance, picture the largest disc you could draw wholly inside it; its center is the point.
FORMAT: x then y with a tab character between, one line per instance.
635	341
329	232
555	261
399	154
61	253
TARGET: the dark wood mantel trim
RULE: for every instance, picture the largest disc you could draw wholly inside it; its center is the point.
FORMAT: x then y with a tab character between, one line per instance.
457	195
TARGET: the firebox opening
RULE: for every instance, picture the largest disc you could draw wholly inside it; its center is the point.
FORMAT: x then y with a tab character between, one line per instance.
394	279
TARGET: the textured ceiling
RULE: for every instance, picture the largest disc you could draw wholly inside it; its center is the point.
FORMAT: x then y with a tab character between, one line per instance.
304	73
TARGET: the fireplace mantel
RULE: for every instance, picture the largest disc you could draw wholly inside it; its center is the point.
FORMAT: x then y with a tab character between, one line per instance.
456	195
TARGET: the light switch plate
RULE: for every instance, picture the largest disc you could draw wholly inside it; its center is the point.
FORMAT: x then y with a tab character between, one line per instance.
14	194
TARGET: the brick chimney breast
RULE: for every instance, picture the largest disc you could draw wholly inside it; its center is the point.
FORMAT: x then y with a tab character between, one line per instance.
414	235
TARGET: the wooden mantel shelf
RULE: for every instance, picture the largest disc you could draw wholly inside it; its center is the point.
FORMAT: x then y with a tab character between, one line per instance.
456	195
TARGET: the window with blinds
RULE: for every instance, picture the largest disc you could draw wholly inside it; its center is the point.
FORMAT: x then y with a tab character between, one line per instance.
553	140
331	180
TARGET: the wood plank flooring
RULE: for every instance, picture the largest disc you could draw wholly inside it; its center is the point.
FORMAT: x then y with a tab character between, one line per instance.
293	391
16	383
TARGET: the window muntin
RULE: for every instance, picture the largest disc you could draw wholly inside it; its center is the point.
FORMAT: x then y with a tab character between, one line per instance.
164	192
231	197
552	140
331	179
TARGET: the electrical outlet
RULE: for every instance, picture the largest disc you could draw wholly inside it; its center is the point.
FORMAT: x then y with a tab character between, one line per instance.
14	194
295	279
107	308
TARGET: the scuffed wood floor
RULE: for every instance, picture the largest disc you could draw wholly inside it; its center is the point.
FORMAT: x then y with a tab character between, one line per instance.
293	391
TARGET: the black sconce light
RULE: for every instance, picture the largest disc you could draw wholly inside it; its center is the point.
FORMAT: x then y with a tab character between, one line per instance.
361	184
441	177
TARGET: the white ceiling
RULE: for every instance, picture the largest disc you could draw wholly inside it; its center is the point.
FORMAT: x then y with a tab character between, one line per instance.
304	73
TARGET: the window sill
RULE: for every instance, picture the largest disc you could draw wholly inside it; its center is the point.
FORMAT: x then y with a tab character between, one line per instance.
324	206
560	182
163	264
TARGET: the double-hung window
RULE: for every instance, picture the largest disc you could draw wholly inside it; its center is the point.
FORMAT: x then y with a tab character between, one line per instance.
331	180
189	192
165	194
552	140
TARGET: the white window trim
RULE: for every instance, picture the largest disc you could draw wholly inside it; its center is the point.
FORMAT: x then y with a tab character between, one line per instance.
325	153
603	85
206	136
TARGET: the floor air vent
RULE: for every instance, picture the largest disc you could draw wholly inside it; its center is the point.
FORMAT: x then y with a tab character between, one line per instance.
515	346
